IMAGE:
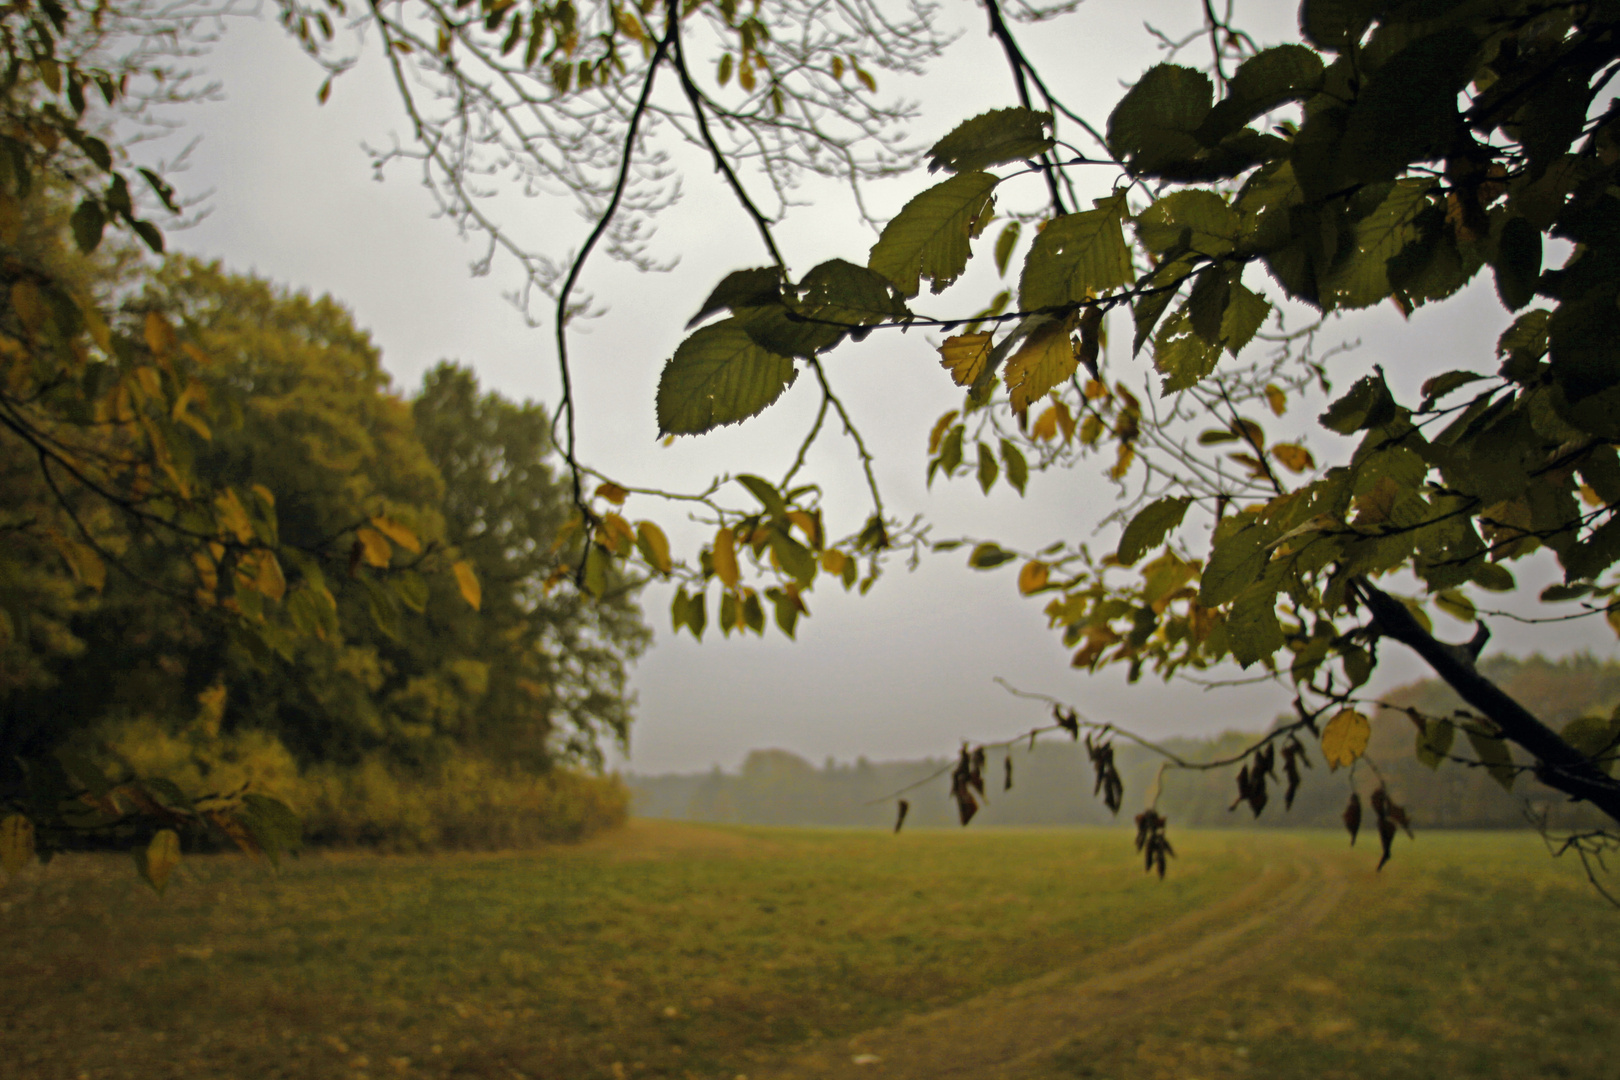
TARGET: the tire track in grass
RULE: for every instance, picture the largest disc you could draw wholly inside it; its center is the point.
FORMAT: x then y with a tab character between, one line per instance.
1004	1035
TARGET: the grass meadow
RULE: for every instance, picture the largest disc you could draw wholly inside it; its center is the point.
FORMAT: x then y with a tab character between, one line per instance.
676	951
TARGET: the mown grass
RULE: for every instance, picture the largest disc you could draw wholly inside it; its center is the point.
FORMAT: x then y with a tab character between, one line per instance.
674	951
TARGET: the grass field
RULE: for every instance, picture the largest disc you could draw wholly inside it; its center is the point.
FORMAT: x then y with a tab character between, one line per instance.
675	951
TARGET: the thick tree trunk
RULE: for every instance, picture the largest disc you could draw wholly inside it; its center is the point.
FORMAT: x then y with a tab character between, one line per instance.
1559	765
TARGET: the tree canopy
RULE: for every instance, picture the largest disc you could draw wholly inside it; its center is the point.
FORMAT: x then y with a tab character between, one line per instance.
1394	152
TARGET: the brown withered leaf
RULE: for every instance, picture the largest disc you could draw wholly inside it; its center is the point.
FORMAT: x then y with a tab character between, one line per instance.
1352	817
905	808
1151	840
1067	720
1007	786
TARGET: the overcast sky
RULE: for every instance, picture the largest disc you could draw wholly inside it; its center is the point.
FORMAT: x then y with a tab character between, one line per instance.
903	672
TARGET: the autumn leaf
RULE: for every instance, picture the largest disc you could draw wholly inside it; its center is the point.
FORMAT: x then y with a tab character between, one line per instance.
1045	426
941	426
160	337
1276	399
1032	577
612	492
653	545
233	516
374	547
964	357
725	558
396	532
16	843
1043	361
1345	738
161	857
1295	458
467	582
615	534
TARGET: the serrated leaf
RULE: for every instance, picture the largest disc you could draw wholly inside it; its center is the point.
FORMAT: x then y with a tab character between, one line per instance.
1044	361
1236	562
964	356
719	376
467	583
1075	257
1153	124
841	292
1150	526
1253	631
1345	738
741	289
1367	404
1182	355
1190	220
1362	279
930	237
993	138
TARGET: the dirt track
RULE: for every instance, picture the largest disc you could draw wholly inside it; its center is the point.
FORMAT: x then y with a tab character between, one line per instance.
1004	1034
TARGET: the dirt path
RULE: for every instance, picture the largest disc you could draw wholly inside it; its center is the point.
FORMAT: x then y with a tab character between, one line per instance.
1001	1035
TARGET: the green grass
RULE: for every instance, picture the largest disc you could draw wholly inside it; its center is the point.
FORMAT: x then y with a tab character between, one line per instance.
673	951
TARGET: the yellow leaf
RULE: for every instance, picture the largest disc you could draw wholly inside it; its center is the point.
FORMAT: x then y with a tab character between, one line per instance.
725	559
613	493
197	355
212	711
964	357
1045	359
615	535
467	582
1345	738
1294	457
82	560
162	856
1065	421
396	532
233	516
159	334
270	581
373	546
1045	426
29	305
96	326
654	546
16	843
1032	576
941	426
808	525
833	560
1276	399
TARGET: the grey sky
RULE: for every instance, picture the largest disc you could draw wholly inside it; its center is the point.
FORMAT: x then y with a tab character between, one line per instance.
905	671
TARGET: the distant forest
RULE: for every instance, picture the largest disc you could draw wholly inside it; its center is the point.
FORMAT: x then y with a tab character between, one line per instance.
1052	782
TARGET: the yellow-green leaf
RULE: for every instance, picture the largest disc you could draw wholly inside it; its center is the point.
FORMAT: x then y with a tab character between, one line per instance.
654	546
373	546
396	532
964	357
1044	361
725	558
930	236
467	582
162	856
1345	738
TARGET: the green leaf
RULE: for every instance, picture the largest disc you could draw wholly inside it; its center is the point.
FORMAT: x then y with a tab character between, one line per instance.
1517	263
950	451
1150	526
1075	256
1362	278
930	236
597	563
1236	562
841	292
1368	404
1438	387
88	222
787	610
765	492
740	289
1004	246
993	138
1493	751
1246	312
1262	83
1153	124
797	560
1017	468
279	820
1407	110
1595	737
989	470
1181	354
1334	24
1434	741
412	590
1190	220
719	376
1253	631
989	556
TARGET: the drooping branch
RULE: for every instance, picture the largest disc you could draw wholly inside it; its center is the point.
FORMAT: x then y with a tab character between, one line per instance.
1561	765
